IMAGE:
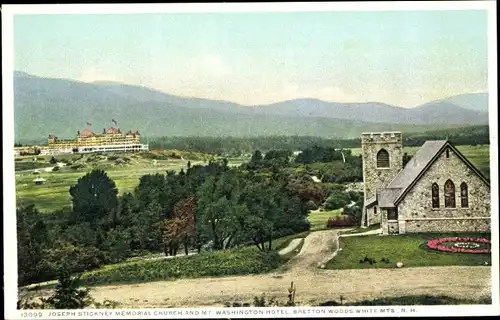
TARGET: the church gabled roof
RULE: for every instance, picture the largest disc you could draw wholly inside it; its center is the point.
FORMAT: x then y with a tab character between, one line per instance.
370	201
387	196
416	167
417	163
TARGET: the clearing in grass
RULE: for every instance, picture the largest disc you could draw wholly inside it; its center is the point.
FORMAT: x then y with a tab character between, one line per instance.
319	219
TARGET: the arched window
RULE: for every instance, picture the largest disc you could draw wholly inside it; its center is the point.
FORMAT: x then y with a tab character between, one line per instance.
435	195
383	159
449	194
464	195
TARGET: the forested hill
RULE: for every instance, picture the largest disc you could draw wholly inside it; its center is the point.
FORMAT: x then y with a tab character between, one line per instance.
472	135
44	106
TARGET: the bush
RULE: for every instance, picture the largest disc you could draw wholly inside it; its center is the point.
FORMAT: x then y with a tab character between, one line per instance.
221	263
355	211
311	205
340	221
77	259
354	195
336	201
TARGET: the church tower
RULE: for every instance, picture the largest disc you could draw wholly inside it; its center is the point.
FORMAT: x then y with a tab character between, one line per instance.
382	154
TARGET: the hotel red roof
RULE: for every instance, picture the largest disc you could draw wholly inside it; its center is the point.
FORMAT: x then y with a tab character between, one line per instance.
86	133
111	131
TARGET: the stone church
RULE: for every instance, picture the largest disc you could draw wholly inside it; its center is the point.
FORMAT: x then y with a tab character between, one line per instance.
438	190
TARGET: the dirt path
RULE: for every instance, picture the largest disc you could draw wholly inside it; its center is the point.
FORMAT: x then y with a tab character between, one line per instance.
313	284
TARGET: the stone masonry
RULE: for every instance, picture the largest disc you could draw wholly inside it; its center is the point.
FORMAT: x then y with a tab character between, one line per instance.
415	212
373	177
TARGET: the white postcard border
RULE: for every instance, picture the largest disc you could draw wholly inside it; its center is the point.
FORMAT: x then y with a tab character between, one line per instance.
10	249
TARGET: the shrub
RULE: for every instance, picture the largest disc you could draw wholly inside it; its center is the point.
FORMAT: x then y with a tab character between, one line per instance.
355	211
340	221
336	201
76	259
354	195
311	205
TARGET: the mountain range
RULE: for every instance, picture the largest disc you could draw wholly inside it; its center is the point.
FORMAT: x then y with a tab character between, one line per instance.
44	106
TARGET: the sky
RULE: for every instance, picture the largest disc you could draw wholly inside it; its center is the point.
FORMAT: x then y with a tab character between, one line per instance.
403	58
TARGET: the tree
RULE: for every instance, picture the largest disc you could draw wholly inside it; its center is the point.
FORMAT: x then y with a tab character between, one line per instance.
406	158
68	294
182	228
355	211
31	239
337	201
262	212
218	210
256	157
94	197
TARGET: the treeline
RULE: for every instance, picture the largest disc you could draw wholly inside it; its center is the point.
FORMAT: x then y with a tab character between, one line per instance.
472	135
203	208
236	146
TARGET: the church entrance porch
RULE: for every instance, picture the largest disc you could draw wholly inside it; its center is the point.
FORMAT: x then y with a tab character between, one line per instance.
391	225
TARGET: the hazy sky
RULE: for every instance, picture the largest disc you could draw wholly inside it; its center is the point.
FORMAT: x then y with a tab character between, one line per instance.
404	58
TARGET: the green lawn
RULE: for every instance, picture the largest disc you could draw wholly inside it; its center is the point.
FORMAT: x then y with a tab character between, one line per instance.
319	219
408	249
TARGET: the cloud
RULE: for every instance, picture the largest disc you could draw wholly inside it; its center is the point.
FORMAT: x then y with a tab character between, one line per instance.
92	75
479	91
214	64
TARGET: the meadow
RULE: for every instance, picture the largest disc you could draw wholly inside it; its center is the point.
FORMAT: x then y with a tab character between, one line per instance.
53	194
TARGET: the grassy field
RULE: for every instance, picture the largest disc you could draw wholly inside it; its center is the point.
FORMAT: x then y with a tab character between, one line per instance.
408	249
54	193
318	219
221	263
477	155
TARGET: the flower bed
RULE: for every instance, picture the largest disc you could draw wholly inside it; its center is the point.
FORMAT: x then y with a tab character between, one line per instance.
460	245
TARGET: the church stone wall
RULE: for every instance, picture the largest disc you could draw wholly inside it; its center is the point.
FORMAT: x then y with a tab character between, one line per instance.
448	225
373	177
415	212
373	215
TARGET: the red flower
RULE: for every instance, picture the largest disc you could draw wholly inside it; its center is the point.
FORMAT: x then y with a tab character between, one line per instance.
436	244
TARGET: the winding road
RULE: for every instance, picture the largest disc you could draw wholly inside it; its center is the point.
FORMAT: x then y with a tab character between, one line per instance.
313	284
